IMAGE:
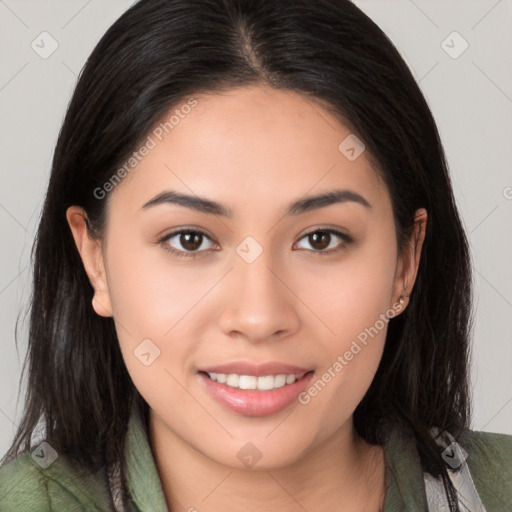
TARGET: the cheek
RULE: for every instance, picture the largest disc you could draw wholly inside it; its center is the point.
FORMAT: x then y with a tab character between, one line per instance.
153	303
354	304
151	294
348	295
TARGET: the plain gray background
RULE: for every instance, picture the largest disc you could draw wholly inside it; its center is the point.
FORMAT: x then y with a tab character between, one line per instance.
469	92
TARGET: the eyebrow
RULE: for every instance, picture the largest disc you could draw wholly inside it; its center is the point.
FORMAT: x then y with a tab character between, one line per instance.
213	208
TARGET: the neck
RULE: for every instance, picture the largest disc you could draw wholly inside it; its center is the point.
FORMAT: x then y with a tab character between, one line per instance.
344	470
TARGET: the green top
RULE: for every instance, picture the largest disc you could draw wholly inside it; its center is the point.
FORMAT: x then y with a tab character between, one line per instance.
26	486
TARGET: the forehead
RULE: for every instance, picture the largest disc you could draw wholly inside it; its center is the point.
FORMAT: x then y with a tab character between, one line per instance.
250	147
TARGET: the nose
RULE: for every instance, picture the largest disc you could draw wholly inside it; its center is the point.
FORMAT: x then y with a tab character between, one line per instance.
260	304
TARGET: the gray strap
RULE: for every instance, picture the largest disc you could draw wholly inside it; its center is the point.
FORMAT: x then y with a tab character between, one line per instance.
114	479
458	471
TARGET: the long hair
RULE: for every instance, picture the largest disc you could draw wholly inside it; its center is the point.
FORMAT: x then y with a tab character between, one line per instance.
156	55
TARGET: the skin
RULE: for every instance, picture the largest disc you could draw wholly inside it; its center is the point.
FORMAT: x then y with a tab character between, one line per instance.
254	150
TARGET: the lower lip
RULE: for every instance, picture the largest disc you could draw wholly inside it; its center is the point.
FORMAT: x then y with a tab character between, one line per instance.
253	402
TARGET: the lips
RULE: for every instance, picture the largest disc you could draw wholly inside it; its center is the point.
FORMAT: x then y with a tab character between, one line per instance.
250	402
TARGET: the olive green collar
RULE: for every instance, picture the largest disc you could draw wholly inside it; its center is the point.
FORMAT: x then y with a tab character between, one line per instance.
142	475
405	489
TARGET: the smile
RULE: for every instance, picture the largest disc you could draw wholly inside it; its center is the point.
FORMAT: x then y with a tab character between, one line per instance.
255	395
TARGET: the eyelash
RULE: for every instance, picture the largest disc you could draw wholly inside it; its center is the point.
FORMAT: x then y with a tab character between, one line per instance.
193	254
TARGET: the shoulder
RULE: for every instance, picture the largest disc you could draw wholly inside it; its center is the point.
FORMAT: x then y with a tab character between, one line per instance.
489	451
26	485
489	458
22	486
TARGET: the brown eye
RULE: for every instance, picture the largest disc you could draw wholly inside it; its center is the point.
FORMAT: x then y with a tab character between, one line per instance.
185	242
319	239
323	239
190	241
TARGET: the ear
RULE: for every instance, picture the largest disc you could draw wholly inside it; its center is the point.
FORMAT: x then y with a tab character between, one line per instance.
409	260
91	254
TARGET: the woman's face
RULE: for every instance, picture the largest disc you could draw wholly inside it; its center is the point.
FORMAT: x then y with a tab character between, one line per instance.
259	285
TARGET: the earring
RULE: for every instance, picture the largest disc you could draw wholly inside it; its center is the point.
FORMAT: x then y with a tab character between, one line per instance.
401	300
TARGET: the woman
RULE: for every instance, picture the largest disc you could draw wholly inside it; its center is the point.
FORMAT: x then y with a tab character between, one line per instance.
252	286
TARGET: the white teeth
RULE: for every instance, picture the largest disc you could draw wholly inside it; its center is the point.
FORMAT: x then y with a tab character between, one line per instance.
264	383
248	382
290	379
279	381
233	380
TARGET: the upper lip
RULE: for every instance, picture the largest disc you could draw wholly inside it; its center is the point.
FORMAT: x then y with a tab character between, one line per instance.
257	370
